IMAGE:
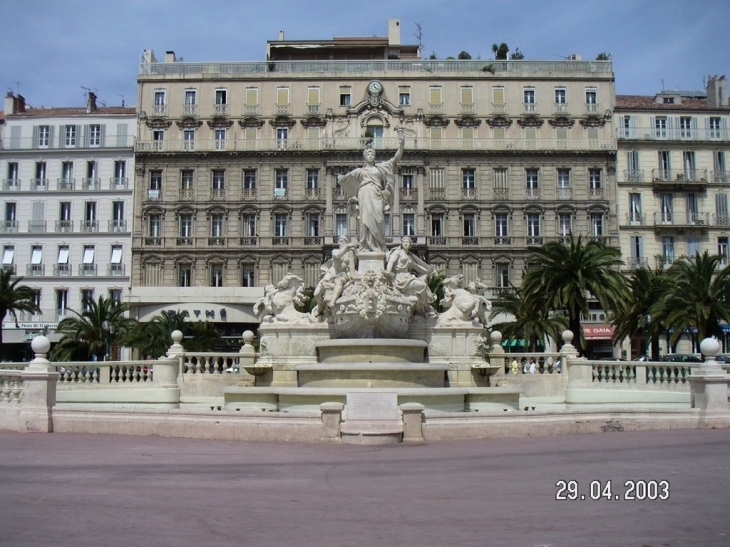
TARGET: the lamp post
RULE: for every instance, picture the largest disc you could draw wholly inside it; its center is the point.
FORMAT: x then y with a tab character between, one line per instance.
647	319
109	329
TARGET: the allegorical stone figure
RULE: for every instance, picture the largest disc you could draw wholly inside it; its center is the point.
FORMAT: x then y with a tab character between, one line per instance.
372	187
401	263
339	271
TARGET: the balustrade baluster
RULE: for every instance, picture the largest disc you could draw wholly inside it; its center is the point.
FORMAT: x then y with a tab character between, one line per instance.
16	391
5	391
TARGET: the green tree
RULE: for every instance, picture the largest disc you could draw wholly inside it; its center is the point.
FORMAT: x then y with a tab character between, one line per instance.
517	55
500	51
435	283
564	275
646	288
463	55
603	56
532	319
14	298
697	297
153	338
84	334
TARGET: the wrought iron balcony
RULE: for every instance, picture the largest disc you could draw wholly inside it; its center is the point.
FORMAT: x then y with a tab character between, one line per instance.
37	226
91	183
217	193
436	193
88	270
408	194
249	193
635	219
11	185
686	177
216	241
39	184
469	193
62	270
635	263
187	194
439	241
65	226
595	193
117	225
470	241
159	110
311	193
720	176
633	175
190	109
501	193
501	241
35	270
248	241
592	108
119	183
313	241
672	134
684	220
9	226
279	241
532	193
66	184
90	226
184	241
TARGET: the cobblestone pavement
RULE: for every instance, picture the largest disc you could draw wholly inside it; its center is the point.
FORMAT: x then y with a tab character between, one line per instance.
105	490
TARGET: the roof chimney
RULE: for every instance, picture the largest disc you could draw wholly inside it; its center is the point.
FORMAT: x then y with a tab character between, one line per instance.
91	102
170	57
716	91
281	35
14	104
394	32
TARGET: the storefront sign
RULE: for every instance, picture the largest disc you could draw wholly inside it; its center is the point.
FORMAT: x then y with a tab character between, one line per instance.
597	332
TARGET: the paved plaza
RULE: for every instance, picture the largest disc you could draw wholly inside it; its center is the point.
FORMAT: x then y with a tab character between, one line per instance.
103	490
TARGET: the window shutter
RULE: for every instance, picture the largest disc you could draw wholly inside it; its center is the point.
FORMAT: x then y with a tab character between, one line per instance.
102	135
87	132
121	135
498	95
721	207
707	128
652	126
36	131
50	136
15	136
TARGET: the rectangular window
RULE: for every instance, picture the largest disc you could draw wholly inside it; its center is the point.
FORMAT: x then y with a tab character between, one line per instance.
87	296
159	97
689	165
470	225
219	179
312	179
635	208
468	179
345	92
409	224
216	225
686	127
467	99
596	224
437	224
665	203
500	225
61	302
280	225
252	96
531	178
636	251
94	135
184	275
248	225
528	95
561	96
668	249
248	276
435	95
187	176
44	136
594	179
714	126
191	97
216	275
12	175
723	250
407	182
503	276
36	255
154	225
341	224
591	95
8	255
563	178
721	210
116	257
404	95
282	96
249	179
69	139
498	98
564	224
281	182
221	96
501	183
718	165
186	225
593	133
156	180
693	245
436	178
660	127
313	96
312	224
533	225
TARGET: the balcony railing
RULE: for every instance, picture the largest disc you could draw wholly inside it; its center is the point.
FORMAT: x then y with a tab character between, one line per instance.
501	241
720	176
720	220
565	193
64	226
90	226
408	194
248	241
9	226
153	195
220	109
66	184
279	241
119	183
91	183
159	110
633	176
62	270
251	110
117	225
249	193
281	193
187	194
37	226
635	263
439	241
190	109
87	270
184	241
58	143
532	193
534	240
686	219
529	108
11	185
435	108
216	241
595	193
635	219
679	176
116	269
672	134
217	193
467	108
470	241
12	268
560	108
386	143
469	193
499	108
501	193
35	270
283	109
592	108
314	108
313	241
311	193
39	184
436	193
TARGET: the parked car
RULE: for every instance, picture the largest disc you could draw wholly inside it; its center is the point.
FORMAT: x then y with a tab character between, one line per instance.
682	358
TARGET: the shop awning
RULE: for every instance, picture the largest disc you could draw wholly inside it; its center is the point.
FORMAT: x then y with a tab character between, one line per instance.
597	332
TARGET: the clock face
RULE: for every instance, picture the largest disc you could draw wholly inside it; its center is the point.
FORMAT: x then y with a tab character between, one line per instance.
375	87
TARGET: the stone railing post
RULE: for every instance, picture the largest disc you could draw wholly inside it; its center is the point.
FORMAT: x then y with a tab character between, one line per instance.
568	352
39	388
166	368
496	353
247	353
331	422
412	422
708	387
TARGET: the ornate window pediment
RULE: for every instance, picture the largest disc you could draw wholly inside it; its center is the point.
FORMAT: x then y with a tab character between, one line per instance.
220	121
283	121
188	122
314	121
436	121
530	120
499	121
468	121
561	121
158	123
251	121
593	121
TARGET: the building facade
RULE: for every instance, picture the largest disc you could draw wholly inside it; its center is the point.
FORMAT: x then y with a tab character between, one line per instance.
673	180
66	200
238	164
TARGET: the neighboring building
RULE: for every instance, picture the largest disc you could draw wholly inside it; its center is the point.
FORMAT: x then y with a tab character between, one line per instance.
237	164
66	201
673	178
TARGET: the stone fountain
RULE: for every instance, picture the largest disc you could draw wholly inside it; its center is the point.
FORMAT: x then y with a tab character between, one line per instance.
374	327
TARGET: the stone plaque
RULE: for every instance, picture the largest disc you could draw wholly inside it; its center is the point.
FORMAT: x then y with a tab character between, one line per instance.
372	405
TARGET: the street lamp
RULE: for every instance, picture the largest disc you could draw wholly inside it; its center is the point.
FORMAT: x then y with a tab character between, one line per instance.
647	319
109	329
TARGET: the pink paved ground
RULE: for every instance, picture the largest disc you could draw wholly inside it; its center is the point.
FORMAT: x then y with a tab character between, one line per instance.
96	490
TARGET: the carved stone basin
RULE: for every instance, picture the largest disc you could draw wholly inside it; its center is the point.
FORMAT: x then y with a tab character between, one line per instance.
372	315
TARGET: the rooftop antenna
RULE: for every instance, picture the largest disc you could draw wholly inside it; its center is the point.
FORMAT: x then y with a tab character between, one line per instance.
662	84
122	96
419	35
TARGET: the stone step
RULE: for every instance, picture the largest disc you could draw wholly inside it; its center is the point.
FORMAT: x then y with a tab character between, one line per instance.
379	350
372	375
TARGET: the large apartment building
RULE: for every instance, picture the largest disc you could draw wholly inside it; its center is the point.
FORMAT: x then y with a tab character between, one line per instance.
673	178
238	164
66	201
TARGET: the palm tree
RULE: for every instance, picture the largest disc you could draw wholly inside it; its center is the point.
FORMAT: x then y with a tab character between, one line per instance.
101	324
500	51
153	338
532	319
14	298
646	288
566	275
697	296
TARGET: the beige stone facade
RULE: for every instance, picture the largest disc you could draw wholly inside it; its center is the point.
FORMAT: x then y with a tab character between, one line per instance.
237	163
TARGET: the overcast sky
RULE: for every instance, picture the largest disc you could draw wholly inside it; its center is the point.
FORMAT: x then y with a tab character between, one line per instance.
50	48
